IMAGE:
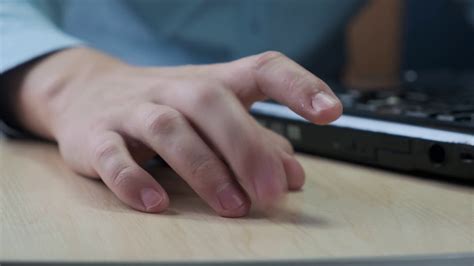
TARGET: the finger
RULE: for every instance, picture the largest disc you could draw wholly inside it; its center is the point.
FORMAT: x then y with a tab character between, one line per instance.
276	76
227	125
127	180
280	141
172	137
294	172
295	175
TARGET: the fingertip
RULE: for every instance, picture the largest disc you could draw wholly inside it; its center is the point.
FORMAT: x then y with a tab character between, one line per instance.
295	174
241	211
269	195
270	202
326	108
230	201
152	200
294	171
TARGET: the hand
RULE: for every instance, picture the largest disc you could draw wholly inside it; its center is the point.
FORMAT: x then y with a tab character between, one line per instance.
109	117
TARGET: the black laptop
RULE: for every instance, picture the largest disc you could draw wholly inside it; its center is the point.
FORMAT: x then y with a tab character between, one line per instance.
424	124
405	128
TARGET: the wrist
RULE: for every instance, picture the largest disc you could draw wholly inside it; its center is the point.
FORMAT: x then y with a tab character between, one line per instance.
45	87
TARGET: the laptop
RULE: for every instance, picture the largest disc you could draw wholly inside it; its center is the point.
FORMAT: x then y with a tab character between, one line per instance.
423	125
401	129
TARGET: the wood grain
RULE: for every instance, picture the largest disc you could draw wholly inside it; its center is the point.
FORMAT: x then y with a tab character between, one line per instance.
49	213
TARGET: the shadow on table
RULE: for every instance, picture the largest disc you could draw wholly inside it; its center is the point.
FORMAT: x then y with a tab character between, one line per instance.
184	202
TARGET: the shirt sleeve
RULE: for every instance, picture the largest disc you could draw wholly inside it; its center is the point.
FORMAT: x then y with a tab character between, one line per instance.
28	32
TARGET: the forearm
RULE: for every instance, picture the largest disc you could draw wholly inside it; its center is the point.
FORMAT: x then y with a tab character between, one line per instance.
37	89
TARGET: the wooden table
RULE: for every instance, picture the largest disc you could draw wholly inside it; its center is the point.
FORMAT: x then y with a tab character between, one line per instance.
345	211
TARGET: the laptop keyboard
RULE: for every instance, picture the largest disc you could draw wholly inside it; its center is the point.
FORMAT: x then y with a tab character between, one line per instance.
444	109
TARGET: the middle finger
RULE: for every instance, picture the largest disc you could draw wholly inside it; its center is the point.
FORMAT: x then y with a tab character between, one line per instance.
218	114
170	135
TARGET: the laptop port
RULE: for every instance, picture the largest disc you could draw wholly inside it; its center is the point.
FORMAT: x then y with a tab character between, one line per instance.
437	154
466	157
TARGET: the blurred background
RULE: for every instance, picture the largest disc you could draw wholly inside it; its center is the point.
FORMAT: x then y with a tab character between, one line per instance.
393	40
373	43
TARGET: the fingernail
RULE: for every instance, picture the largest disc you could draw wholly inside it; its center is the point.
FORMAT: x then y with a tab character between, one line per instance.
323	101
150	198
229	197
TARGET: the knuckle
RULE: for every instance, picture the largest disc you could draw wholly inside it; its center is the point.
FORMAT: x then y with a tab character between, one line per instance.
122	173
203	166
164	121
264	59
105	150
296	82
207	95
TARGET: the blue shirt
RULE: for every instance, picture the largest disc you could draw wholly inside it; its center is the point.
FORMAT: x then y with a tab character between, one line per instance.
170	32
174	32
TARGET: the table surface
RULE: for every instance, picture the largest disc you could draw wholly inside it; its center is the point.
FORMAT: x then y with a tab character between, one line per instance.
344	211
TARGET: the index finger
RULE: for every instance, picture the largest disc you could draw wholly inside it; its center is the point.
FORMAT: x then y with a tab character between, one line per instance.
278	77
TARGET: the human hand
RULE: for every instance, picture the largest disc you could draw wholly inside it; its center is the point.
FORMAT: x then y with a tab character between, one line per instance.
109	117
